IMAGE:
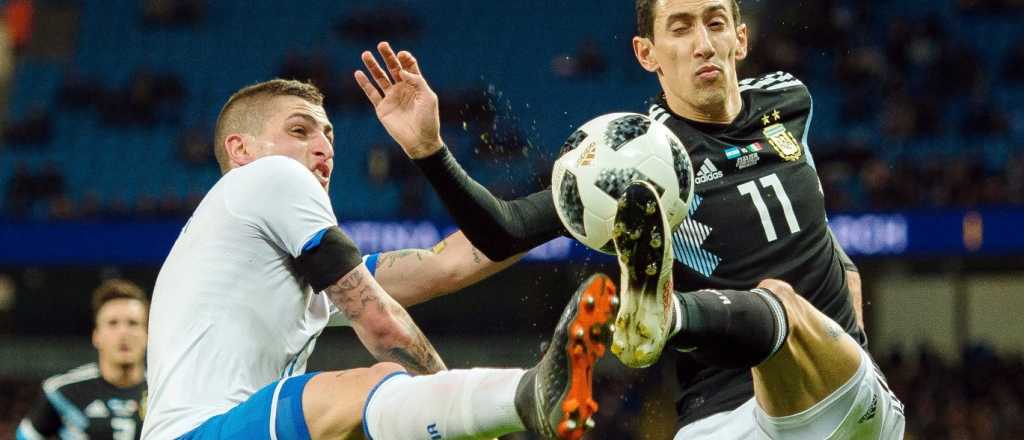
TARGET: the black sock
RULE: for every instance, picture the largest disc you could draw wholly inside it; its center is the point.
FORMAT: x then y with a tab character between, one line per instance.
731	329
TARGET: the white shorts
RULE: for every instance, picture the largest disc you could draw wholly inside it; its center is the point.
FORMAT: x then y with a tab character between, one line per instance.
863	408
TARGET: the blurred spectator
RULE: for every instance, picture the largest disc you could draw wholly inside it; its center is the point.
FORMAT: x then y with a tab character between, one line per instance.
18	14
1014	63
80	91
587	62
36	128
173	12
979	398
366	25
315	68
26	189
148	98
196	147
984	119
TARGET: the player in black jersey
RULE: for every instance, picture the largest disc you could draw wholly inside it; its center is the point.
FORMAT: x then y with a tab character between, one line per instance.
758	213
101	400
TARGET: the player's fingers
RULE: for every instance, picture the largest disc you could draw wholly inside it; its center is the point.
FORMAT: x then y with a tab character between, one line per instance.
390	59
376	72
368	88
408	62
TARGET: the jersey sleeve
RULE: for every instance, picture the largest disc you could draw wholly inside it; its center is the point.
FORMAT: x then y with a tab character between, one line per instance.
42	421
283	200
499	228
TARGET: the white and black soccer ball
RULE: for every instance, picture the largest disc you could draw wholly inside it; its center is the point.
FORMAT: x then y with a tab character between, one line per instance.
602	158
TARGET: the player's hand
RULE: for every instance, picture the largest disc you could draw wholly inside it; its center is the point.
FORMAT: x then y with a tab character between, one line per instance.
404	103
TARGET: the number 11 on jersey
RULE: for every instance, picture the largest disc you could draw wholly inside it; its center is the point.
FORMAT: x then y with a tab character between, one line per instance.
750	189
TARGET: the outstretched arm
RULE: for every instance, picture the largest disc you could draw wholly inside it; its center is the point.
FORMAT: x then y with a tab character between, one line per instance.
412	276
407	108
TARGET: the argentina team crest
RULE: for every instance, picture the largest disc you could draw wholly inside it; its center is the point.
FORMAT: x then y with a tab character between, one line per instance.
783	142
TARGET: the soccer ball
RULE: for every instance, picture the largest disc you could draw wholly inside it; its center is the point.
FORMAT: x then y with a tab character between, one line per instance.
604	156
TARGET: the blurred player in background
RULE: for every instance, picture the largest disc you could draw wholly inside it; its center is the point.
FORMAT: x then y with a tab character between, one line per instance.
252	281
758	213
101	400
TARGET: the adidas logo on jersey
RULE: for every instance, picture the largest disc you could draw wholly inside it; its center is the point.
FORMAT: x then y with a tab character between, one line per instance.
708	172
97	410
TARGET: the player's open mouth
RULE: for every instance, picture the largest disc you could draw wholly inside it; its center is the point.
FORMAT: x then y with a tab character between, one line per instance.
322	173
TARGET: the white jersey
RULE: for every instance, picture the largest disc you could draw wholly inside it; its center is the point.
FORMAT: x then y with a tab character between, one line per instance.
230	314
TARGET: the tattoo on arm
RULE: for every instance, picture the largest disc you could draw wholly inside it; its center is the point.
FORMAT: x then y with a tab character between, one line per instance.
439	247
388	259
353	294
420	357
356	295
476	256
831	328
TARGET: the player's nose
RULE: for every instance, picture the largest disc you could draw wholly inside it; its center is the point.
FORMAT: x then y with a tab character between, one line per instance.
322	148
704	49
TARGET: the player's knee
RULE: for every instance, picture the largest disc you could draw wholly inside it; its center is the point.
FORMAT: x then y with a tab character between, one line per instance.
333	401
796	308
380	370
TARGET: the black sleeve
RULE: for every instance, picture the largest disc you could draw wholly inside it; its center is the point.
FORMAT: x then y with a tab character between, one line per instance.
44	417
843	258
499	228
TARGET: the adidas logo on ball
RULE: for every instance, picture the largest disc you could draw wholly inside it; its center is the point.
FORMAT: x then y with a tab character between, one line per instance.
708	172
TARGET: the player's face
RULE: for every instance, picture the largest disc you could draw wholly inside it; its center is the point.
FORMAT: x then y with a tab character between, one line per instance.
120	333
694	50
300	130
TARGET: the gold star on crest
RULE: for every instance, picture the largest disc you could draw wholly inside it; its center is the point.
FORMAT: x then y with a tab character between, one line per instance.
776	115
765	119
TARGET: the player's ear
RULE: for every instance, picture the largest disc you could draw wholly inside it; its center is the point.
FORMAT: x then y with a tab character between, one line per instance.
95	338
741	41
643	48
239	148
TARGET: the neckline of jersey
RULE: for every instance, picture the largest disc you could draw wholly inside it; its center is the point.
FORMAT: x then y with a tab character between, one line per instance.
706	127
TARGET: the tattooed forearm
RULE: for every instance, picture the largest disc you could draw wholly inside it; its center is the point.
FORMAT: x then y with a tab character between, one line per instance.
384	327
353	294
419	357
415	353
388	259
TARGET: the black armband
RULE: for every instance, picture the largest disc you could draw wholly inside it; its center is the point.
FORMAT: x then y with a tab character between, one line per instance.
324	263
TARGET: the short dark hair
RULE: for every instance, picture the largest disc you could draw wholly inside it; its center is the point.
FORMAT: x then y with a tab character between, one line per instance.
244	110
116	288
645	17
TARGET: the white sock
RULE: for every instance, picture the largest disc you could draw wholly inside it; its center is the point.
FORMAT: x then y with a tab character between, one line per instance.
448	405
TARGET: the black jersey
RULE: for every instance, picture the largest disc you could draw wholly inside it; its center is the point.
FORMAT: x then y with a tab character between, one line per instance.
79	404
757	212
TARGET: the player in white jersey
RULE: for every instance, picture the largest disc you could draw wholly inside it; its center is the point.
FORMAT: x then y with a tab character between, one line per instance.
249	285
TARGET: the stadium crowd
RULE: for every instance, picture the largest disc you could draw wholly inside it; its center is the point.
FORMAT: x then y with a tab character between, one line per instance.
908	135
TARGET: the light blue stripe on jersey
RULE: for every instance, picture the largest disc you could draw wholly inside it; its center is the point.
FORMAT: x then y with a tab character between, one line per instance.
68	411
